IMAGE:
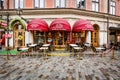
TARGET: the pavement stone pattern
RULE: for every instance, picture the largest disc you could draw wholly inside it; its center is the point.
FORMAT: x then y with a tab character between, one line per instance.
60	68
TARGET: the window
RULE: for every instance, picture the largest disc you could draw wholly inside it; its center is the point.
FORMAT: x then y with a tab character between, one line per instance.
19	4
1	4
112	7
39	3
59	3
81	4
95	5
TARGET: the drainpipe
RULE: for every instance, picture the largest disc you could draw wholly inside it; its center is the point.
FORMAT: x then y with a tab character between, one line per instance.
108	5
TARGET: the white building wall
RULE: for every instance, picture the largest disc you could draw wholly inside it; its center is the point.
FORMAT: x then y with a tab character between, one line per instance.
10	40
28	37
71	18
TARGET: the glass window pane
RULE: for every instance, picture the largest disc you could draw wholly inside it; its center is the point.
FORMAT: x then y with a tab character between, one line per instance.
112	7
62	2
93	6
110	3
113	10
81	4
78	1
42	3
16	4
113	3
57	2
36	3
110	10
97	0
21	3
97	7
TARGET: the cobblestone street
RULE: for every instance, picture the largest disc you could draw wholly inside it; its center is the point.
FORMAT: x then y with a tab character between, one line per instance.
60	68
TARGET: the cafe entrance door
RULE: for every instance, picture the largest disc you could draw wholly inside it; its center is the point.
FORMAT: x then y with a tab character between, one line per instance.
19	38
60	39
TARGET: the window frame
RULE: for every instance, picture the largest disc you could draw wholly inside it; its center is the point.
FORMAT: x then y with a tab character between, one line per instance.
39	4
60	2
2	4
96	2
77	3
18	4
111	7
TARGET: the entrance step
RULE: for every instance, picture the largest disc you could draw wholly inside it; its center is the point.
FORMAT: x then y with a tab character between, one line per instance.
59	54
59	49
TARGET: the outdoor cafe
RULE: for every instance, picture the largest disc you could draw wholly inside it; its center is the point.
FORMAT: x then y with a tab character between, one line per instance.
58	36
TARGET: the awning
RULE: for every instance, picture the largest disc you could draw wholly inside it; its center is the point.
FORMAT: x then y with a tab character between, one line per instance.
37	24
82	25
114	28
60	25
15	20
3	23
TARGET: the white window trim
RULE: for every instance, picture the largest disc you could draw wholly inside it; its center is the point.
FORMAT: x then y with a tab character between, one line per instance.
81	7
60	3
112	7
39	4
18	3
96	5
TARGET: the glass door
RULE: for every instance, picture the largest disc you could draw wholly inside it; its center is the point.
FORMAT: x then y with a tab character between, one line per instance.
19	38
60	38
95	36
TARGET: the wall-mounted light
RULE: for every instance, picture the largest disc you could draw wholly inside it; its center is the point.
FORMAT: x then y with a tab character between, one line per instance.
19	11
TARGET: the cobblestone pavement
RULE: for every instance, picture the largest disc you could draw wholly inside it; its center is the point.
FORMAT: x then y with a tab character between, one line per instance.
60	68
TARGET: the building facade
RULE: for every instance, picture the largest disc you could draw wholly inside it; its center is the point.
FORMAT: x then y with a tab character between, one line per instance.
104	15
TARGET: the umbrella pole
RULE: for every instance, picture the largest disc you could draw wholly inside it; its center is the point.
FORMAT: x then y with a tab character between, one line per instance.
45	37
70	36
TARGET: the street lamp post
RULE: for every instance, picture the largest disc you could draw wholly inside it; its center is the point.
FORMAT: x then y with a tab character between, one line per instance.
7	14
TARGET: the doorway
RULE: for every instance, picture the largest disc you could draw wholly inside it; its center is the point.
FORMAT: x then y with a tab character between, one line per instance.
60	38
95	36
19	36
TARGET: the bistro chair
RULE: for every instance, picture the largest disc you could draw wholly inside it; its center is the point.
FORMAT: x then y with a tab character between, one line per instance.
22	53
94	50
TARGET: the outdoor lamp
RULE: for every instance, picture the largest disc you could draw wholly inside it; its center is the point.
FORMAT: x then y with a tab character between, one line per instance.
19	11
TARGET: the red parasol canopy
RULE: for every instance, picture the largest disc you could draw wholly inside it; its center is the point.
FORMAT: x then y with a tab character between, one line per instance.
82	25
3	23
37	24
60	25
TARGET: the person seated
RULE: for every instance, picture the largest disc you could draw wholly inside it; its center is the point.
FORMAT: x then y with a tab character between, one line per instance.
105	48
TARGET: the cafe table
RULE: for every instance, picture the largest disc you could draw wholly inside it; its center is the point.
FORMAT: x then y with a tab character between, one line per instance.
80	50
23	50
44	49
33	47
99	49
72	45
